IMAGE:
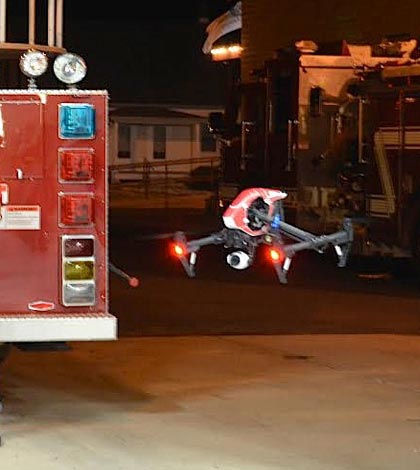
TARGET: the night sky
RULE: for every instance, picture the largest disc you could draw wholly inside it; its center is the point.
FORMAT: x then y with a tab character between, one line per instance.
185	9
142	52
88	9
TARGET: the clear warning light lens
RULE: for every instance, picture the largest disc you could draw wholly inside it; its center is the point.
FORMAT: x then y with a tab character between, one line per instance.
79	294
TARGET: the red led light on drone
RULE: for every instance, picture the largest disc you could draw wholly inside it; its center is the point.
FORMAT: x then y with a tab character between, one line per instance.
178	249
276	255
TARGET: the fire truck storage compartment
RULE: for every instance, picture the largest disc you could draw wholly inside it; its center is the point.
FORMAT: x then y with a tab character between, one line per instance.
21	138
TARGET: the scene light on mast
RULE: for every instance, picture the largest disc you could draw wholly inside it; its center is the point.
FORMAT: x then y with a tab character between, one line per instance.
33	64
226	52
70	68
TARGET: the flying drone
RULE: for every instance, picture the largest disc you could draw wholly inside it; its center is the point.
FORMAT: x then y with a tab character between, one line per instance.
254	218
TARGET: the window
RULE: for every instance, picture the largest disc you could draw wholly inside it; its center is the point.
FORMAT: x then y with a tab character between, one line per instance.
207	140
159	142
124	141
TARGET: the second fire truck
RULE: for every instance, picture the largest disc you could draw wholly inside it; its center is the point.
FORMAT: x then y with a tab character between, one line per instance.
340	133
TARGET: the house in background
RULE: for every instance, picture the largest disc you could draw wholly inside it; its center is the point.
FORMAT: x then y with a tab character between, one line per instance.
156	134
163	88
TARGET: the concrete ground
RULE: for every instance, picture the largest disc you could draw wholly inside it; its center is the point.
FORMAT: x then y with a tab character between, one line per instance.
318	402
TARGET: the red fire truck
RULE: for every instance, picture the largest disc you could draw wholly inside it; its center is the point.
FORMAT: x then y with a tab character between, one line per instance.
53	192
340	133
53	196
53	209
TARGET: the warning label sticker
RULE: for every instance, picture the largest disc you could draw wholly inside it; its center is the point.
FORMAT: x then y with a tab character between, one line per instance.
20	218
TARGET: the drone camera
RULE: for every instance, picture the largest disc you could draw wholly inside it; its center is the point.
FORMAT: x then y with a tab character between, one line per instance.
238	260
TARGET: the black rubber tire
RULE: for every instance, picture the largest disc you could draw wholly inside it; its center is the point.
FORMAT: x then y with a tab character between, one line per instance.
4	351
415	250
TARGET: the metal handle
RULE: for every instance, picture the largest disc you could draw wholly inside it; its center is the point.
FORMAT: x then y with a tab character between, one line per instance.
291	143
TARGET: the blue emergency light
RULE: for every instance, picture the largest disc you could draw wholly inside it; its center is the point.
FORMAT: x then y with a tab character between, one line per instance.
77	121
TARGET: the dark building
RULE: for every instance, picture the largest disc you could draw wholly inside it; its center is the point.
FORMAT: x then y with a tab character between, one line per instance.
269	25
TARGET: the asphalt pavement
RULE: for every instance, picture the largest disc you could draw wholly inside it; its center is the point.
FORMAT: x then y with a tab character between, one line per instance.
284	402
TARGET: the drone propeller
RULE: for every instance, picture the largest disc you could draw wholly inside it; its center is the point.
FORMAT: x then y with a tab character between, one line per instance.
165	236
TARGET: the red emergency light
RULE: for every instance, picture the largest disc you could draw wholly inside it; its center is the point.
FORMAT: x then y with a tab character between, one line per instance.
78	247
76	165
76	209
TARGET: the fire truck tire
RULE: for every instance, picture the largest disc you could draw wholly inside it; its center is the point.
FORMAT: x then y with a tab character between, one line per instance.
415	249
4	351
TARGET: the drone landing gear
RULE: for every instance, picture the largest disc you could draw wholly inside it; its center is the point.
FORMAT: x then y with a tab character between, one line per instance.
341	241
182	248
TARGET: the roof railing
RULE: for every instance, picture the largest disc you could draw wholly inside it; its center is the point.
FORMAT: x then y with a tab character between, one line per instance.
54	37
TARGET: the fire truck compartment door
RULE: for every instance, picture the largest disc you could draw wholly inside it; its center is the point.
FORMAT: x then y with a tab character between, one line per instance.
21	139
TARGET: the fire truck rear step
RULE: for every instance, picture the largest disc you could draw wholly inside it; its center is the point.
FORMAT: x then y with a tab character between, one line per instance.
74	327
